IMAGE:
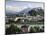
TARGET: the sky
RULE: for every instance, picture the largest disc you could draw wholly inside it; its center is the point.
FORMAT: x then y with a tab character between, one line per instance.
16	6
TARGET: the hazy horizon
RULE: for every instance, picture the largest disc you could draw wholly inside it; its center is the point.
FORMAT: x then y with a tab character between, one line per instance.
15	6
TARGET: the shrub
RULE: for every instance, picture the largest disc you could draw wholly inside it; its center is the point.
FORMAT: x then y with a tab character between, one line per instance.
12	30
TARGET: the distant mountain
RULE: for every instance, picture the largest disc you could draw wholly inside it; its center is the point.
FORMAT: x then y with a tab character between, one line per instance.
36	11
25	11
31	11
20	12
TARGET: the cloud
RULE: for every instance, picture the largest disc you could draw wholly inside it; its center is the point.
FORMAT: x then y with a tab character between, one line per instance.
15	8
19	6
